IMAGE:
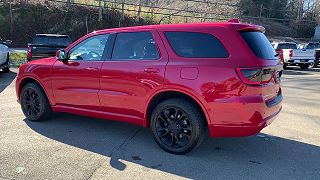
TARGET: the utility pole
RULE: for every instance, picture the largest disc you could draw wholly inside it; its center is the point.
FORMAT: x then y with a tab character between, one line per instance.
122	13
100	11
87	24
261	8
11	19
139	11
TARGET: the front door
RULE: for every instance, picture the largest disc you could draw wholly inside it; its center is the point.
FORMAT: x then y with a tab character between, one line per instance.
75	82
134	72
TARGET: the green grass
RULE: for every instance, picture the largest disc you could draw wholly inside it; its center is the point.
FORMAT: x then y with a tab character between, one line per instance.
17	58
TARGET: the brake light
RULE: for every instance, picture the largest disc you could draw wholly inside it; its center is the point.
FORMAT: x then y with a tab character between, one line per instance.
29	54
290	53
280	52
255	76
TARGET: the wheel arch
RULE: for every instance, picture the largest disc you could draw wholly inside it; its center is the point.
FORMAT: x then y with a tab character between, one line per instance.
27	80
168	94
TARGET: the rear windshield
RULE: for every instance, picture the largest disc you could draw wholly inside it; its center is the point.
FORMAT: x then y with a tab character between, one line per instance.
313	46
287	46
259	44
52	40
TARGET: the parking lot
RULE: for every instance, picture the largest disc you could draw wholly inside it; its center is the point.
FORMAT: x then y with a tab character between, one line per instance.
75	147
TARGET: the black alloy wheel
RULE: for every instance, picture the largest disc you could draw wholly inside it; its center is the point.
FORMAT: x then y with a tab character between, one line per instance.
34	103
178	126
173	127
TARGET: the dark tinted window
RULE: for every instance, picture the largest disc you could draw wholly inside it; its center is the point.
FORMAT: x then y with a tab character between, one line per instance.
196	45
259	44
52	40
135	46
287	46
313	46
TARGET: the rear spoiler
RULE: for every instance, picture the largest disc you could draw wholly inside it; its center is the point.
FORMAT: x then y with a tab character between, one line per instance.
247	27
254	28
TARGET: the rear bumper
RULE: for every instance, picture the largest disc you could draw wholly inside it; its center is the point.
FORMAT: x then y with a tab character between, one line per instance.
241	131
300	61
245	117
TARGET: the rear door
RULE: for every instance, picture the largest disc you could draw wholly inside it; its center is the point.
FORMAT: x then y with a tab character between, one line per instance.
134	72
75	82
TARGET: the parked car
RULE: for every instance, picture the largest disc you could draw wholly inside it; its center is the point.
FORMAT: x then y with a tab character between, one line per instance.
46	45
181	80
290	55
4	55
317	60
316	47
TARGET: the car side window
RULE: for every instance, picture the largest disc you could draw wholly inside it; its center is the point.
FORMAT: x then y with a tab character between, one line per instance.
196	45
135	46
90	49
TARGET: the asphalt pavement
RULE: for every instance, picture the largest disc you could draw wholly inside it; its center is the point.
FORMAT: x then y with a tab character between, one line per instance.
76	147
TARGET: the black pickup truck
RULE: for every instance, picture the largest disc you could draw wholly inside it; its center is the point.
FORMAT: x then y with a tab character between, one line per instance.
46	45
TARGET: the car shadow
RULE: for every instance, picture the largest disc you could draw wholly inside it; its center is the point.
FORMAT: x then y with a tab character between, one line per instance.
297	71
6	79
259	156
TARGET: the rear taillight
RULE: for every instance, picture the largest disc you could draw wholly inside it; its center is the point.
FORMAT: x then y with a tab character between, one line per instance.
29	54
280	52
255	76
290	53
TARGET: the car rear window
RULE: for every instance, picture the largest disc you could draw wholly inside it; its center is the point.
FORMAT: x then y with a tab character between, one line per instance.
196	45
259	44
313	46
52	40
287	46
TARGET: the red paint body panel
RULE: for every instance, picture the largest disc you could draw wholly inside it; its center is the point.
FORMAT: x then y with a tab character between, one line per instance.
122	90
76	84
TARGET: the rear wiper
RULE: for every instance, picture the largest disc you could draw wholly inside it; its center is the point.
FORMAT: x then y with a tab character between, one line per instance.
277	55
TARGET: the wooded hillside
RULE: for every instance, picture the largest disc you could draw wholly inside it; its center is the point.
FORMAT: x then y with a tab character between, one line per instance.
296	18
20	20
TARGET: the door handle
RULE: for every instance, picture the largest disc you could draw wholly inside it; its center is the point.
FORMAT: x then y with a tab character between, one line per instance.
91	69
151	70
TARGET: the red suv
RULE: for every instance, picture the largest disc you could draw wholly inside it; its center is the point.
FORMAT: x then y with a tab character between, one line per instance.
182	80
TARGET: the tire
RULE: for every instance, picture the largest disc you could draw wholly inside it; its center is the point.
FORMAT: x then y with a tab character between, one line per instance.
34	103
285	66
178	126
315	64
6	70
304	66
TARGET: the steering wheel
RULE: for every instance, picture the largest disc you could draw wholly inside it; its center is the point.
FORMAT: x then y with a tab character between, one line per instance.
93	56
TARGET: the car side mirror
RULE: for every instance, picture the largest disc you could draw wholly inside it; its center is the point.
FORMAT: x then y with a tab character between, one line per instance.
61	55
